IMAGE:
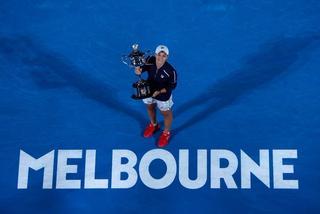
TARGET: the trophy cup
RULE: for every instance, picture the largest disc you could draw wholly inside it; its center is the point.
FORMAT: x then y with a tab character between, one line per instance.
142	88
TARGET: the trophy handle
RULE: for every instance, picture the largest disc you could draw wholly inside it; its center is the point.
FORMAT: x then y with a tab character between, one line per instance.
126	60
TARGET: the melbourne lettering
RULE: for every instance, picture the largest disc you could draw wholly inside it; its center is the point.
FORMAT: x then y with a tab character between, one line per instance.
274	169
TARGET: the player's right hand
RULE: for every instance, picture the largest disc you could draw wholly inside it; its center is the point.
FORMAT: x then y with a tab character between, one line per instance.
138	70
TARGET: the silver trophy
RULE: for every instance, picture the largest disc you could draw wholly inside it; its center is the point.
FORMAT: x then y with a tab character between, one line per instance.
137	58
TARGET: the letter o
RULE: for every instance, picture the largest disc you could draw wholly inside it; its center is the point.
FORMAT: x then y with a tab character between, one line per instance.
170	174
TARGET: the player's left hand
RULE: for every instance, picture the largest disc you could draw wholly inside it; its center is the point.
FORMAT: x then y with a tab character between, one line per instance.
156	93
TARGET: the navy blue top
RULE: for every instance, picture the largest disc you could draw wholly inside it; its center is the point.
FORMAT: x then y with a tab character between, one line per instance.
164	77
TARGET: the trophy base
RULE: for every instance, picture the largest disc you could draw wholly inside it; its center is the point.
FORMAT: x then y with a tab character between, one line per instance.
142	90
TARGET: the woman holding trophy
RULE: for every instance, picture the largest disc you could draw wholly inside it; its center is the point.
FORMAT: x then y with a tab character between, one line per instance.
163	79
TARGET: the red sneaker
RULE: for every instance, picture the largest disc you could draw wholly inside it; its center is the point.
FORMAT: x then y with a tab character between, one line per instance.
150	130
164	139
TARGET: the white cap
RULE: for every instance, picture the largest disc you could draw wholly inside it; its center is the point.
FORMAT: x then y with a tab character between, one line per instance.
162	48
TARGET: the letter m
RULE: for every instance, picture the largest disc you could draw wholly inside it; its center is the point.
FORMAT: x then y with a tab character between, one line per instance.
26	161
